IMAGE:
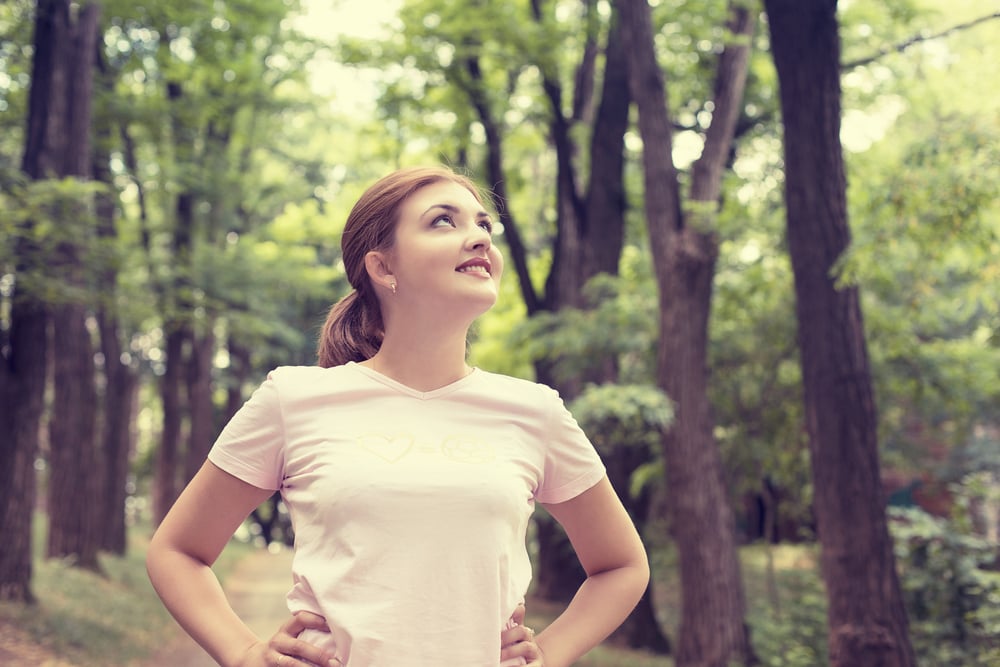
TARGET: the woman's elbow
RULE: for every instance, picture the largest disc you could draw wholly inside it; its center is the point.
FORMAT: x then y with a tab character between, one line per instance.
640	572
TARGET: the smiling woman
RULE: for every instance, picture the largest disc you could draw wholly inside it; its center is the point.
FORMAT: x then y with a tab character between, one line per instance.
410	476
442	230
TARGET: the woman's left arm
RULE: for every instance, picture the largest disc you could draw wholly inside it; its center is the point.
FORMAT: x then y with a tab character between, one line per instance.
609	548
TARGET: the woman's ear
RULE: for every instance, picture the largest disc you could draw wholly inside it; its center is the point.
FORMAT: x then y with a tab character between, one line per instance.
379	270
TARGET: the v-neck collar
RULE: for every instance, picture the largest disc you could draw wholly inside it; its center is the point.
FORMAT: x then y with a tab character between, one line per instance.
410	391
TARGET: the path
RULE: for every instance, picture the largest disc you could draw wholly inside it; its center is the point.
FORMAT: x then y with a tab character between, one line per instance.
256	588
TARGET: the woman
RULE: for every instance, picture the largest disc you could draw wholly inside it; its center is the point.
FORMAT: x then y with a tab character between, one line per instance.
410	476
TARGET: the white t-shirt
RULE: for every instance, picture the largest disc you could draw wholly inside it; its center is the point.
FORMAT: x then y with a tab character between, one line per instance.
410	508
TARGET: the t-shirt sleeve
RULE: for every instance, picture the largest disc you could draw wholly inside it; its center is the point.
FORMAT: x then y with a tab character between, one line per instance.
251	446
572	465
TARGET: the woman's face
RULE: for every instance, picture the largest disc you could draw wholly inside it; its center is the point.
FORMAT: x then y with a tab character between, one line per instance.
443	254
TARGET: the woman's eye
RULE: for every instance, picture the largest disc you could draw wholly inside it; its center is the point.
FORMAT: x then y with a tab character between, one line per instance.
487	225
442	220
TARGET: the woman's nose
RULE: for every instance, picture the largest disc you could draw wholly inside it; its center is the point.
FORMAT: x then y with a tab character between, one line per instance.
480	239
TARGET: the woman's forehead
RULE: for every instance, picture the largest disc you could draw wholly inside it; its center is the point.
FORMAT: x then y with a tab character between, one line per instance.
445	194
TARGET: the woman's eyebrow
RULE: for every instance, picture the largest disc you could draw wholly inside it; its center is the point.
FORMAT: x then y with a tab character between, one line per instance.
451	208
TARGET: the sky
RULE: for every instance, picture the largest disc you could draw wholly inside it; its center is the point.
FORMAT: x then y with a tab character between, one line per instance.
351	88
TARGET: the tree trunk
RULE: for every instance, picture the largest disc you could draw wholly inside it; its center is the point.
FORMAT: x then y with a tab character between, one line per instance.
239	372
168	454
604	235
22	387
119	406
712	631
75	475
178	324
120	381
72	460
866	618
199	383
25	355
589	237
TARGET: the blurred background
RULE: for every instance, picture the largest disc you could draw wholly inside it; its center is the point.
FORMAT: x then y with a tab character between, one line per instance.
755	245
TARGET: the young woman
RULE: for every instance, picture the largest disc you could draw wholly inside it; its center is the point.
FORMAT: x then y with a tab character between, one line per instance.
409	475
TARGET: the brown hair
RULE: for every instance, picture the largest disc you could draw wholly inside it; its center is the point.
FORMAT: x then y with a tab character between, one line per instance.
353	330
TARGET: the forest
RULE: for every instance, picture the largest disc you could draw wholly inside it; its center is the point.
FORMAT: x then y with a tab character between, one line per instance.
754	245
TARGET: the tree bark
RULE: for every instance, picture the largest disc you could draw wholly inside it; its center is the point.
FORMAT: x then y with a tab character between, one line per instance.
712	629
118	409
120	380
75	476
25	356
199	384
168	454
177	322
603	233
866	619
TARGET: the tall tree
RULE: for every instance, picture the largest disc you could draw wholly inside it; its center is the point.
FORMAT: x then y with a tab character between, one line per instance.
588	240
121	381
685	247
25	354
75	476
866	618
219	70
589	235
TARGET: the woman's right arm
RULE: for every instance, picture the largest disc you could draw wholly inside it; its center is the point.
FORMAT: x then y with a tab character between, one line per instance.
179	560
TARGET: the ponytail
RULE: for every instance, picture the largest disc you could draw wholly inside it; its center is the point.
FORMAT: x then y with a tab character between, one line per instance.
352	332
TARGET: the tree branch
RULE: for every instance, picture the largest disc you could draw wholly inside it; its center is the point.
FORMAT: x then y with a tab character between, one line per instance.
916	39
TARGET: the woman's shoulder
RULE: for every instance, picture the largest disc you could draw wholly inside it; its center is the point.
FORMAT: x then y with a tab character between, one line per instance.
519	388
308	378
300	371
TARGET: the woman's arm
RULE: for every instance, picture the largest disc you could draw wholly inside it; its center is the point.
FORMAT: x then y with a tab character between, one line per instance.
182	550
609	548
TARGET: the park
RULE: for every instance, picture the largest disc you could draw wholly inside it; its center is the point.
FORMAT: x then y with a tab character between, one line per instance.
754	246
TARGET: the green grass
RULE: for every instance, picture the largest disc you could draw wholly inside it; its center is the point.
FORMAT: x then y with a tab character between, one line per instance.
86	618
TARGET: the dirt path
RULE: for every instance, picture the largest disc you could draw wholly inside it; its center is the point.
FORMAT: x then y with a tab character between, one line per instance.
256	588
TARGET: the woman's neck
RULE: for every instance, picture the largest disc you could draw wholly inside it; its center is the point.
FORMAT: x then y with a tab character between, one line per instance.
424	363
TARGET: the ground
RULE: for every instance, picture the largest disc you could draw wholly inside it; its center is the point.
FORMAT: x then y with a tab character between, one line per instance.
17	648
256	588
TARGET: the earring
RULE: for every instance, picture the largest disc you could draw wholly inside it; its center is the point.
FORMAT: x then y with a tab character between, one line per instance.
392	286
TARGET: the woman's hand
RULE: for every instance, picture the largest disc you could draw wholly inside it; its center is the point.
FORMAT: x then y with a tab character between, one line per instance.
285	649
519	642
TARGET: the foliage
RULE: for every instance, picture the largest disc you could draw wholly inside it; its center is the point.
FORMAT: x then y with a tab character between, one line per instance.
952	599
41	217
787	604
620	325
274	284
926	224
618	415
16	19
756	387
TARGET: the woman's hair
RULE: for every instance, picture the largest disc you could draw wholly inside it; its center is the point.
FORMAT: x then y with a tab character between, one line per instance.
353	330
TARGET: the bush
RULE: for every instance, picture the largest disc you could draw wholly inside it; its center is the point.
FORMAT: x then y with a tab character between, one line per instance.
952	600
788	624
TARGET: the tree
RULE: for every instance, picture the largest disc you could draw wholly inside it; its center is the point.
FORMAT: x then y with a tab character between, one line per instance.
121	379
26	347
866	619
214	78
685	247
75	473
